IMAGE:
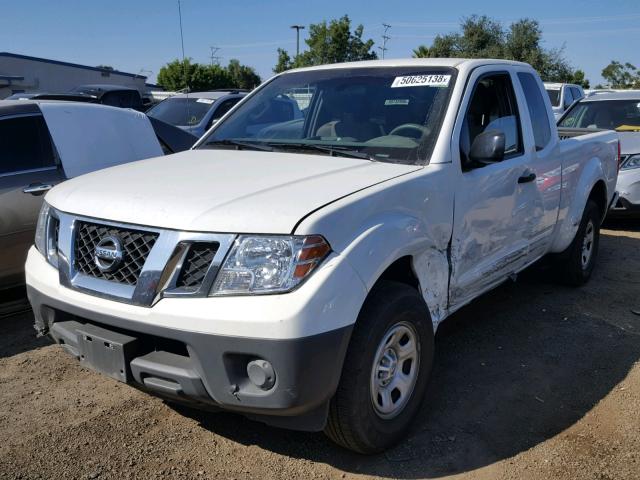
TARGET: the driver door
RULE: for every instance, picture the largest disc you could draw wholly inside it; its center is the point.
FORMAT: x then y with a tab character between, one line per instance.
493	207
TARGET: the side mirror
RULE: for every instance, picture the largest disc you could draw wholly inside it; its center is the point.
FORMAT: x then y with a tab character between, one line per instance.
488	147
212	122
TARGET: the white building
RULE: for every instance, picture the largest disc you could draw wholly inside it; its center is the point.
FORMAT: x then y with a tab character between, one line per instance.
22	73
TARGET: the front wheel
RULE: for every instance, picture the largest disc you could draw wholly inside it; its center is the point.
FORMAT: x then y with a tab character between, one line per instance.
385	372
576	263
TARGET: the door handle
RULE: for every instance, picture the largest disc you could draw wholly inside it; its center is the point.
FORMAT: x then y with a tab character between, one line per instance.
527	176
37	188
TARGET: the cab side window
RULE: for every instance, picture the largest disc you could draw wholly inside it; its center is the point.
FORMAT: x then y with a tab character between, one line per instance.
537	110
25	144
492	107
568	97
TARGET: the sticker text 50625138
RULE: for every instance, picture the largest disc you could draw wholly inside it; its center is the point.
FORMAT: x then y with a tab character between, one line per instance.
421	81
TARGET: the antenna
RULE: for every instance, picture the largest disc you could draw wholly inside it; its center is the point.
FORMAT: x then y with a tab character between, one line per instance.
385	37
184	66
215	58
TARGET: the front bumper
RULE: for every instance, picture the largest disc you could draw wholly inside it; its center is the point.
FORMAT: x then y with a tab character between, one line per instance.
629	188
206	370
158	349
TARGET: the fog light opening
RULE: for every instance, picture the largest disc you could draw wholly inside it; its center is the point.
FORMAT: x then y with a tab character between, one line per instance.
261	374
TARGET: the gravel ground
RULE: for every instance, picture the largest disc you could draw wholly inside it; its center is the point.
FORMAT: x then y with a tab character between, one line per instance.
532	380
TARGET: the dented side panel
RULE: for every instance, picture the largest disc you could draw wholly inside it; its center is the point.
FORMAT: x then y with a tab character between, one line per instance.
409	216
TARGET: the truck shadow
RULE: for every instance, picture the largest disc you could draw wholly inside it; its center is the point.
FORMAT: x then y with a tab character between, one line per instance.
513	369
16	324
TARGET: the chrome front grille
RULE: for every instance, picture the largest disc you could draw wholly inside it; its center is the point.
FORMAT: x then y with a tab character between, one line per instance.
137	245
155	263
196	264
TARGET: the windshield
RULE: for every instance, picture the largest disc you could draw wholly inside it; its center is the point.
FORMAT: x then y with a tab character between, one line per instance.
182	111
606	114
554	96
383	113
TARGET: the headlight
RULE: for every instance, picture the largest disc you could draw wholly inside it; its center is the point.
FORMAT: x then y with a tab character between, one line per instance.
46	240
41	229
269	264
631	162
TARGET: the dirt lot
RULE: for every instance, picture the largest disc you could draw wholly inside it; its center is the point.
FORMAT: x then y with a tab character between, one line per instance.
531	381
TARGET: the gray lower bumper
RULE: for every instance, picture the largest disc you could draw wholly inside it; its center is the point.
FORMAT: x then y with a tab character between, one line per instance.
201	369
623	207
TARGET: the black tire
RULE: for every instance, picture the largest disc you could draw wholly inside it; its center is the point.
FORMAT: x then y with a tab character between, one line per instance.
353	421
570	265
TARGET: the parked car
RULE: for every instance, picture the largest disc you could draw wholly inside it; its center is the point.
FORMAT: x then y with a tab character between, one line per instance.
112	95
619	111
562	95
43	143
196	112
299	277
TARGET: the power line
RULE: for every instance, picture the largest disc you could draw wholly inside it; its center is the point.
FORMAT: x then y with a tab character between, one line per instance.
385	38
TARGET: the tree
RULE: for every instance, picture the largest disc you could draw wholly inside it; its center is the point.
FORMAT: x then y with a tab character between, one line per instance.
579	79
242	76
483	37
330	43
178	75
620	75
284	61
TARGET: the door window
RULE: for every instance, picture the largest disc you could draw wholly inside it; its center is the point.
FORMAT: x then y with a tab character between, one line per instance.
577	94
568	98
537	110
492	107
25	144
222	109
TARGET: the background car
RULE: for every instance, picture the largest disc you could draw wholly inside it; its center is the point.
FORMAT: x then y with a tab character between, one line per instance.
562	95
619	111
112	95
43	143
196	112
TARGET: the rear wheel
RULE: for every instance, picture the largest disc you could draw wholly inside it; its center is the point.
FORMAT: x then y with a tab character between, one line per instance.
385	372
576	263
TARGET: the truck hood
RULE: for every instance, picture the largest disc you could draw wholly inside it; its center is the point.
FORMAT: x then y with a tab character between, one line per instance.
220	190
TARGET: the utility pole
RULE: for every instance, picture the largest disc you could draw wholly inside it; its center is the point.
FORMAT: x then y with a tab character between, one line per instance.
298	28
385	37
214	58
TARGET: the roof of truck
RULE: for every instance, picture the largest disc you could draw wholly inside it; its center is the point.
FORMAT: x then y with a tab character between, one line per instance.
600	96
414	62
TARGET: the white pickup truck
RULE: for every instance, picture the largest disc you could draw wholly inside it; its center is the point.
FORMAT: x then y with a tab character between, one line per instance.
295	268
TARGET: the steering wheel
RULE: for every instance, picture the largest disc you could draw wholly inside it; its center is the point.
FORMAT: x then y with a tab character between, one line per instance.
411	130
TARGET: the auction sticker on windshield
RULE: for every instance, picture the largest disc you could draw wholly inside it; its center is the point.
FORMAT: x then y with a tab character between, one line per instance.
421	81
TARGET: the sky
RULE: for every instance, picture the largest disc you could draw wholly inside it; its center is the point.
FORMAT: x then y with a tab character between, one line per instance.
141	36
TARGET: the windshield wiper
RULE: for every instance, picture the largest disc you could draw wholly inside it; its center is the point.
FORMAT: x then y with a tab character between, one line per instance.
332	150
239	144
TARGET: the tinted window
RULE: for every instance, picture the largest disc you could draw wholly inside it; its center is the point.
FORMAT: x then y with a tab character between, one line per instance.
25	144
537	110
492	107
113	99
568	98
577	94
606	114
225	106
182	111
554	96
